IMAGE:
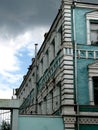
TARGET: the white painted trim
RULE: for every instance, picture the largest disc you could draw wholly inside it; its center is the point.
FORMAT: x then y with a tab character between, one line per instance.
94	114
15	119
90	16
10	103
90	6
88	32
91	91
92	73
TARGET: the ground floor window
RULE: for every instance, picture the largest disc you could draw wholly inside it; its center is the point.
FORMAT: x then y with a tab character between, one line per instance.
95	86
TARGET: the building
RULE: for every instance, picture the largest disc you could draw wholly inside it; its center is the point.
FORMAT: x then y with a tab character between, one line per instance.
63	77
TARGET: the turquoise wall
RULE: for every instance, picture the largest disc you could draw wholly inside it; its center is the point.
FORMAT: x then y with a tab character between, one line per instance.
40	123
82	63
80	25
82	81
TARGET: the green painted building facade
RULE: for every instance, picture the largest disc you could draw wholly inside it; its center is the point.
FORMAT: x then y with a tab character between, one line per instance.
40	123
63	77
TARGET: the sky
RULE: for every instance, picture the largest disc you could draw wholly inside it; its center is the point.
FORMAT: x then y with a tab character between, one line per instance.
22	24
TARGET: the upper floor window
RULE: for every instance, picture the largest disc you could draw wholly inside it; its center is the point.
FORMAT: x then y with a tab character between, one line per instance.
42	65
47	58
53	48
92	27
60	35
94	32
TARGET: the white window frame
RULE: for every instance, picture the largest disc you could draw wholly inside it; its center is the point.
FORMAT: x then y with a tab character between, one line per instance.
92	72
90	16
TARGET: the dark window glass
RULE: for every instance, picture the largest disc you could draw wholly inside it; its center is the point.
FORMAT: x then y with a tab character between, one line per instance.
95	85
94	33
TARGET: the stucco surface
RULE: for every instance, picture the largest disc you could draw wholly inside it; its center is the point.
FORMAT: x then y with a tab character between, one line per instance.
40	123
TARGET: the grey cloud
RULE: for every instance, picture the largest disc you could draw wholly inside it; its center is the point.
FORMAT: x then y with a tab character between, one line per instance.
17	16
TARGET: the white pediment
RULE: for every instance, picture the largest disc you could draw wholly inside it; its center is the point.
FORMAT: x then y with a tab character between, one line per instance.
93	66
92	15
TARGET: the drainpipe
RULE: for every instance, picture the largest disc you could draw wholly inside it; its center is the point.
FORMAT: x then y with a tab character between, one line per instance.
36	91
74	50
75	61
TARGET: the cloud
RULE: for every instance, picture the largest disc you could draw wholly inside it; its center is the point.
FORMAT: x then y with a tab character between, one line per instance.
37	37
11	48
13	61
22	24
19	16
5	91
8	59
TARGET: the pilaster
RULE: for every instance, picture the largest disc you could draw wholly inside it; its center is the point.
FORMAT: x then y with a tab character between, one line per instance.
69	123
15	119
67	68
66	22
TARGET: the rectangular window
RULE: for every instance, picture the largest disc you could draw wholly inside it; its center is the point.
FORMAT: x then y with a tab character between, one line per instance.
39	108
50	103
60	35
94	32
42	66
53	48
47	58
95	86
44	110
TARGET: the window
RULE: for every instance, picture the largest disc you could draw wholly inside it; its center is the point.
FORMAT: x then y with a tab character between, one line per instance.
94	32
53	45
42	66
40	108
50	103
60	35
93	83
92	27
53	48
47	58
95	86
44	106
33	74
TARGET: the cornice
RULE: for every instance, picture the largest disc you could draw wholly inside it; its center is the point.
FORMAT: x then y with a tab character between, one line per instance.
89	6
67	2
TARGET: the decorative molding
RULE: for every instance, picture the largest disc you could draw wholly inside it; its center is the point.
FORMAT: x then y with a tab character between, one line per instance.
66	22
69	120
89	121
83	5
68	51
67	79
93	15
87	54
93	66
91	73
67	2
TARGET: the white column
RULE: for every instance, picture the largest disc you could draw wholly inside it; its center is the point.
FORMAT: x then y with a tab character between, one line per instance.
91	95
88	32
14	119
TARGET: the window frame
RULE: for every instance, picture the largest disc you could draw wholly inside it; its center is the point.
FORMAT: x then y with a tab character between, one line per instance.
95	31
90	16
92	72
